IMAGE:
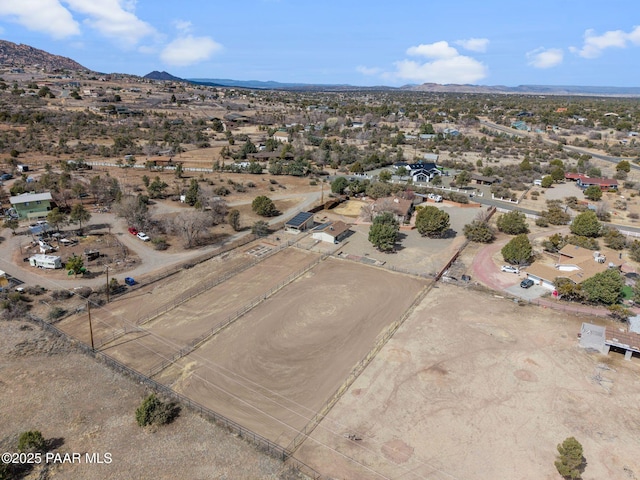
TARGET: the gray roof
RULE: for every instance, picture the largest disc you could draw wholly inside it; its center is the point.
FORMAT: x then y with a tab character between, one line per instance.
29	197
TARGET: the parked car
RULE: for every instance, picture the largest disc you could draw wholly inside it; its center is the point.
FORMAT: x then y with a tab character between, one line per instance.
526	283
6	176
509	269
133	230
143	236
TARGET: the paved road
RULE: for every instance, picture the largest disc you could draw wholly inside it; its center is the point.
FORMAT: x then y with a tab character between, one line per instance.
571	148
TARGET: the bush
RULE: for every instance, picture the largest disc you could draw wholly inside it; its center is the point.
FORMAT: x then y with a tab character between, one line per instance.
56	312
160	243
264	206
570	462
479	231
32	441
153	411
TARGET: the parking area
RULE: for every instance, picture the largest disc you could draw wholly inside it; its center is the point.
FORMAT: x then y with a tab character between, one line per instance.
531	293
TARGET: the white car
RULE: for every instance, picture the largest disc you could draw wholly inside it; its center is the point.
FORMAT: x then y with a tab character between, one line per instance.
509	269
143	236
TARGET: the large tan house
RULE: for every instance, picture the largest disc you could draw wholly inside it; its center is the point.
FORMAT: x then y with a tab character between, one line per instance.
574	263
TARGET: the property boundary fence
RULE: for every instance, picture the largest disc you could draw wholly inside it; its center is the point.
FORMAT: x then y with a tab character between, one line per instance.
177	268
197	342
258	440
355	372
188	295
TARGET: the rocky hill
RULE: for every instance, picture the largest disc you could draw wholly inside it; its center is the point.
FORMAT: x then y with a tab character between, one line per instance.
18	55
156	75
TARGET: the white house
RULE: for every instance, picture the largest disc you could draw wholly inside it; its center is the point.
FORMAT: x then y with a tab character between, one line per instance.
331	232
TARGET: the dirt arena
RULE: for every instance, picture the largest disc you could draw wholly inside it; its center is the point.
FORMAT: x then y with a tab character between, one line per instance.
164	335
477	387
272	370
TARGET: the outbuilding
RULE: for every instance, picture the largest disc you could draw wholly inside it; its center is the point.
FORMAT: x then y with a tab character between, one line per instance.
300	223
331	232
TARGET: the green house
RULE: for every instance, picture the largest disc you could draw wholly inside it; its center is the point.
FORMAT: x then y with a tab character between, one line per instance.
31	205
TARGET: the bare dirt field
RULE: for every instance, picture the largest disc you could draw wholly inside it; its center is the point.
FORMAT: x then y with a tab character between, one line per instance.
274	368
81	406
477	387
171	331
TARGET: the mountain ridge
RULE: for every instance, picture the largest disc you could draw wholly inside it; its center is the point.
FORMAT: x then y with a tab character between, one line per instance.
20	55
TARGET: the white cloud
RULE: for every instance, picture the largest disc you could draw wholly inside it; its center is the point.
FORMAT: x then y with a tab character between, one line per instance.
545	58
114	19
47	16
183	26
368	70
188	50
594	44
433	50
445	65
474	44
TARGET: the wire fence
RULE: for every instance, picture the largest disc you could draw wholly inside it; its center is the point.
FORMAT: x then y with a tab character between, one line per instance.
189	294
195	343
262	443
355	372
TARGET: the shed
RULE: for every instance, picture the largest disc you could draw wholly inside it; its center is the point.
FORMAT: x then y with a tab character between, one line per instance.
301	222
331	232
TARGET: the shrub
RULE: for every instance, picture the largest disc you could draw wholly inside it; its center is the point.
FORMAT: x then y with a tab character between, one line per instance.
56	312
479	231
153	411
32	441
160	243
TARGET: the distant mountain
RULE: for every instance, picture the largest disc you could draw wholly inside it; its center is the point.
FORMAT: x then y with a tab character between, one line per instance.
18	55
271	85
526	89
156	75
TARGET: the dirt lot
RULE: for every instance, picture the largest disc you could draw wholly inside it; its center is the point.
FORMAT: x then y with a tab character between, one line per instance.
275	367
476	387
83	406
171	331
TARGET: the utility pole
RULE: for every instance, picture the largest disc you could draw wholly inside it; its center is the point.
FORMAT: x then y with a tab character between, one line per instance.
90	327
107	270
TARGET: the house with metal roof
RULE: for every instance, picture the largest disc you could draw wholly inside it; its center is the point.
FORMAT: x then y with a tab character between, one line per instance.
31	205
300	223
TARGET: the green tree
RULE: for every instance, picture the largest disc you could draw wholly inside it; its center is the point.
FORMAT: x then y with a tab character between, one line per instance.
623	166
339	185
593	193
75	264
568	290
79	214
178	171
556	216
618	312
383	233
153	411
604	287
479	231
254	168
570	462
356	168
525	165
56	218
557	174
234	219
432	222
518	251
614	239
32	441
247	148
634	251
384	176
191	197
264	206
547	181
513	223
463	179
586	224
260	228
156	188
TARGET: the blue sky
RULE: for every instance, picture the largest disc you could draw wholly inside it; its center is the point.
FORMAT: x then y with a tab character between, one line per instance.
357	42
